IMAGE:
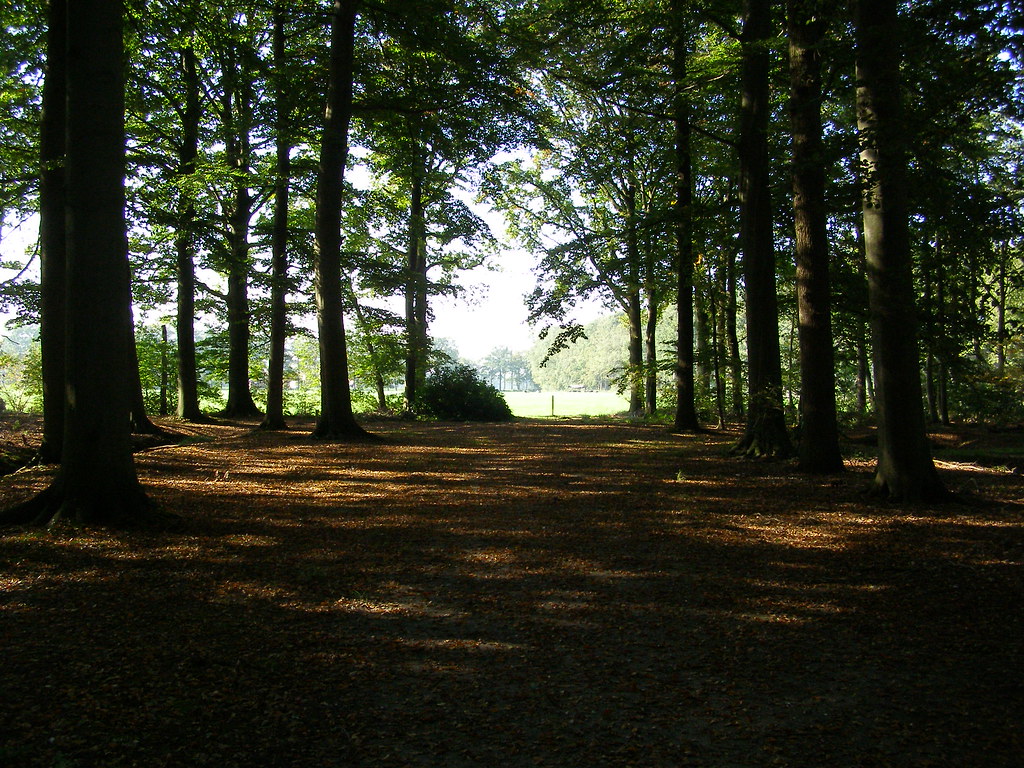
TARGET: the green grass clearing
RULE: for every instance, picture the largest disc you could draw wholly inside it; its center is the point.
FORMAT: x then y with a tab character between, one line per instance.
538	404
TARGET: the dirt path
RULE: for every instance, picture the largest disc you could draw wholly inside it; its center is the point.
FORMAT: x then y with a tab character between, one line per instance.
532	594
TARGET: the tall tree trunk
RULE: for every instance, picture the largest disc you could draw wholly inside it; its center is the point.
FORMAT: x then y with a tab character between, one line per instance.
237	110
52	241
765	433
96	483
905	469
184	243
415	288
686	408
819	429
279	246
634	306
336	418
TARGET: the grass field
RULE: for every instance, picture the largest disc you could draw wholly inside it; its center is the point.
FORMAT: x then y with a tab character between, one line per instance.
539	404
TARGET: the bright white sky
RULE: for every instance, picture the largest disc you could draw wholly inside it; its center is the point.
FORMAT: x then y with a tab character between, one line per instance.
492	312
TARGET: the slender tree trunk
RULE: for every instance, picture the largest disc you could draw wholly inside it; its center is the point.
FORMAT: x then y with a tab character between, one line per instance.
1001	310
651	349
765	433
703	333
634	316
686	408
184	242
336	418
717	350
819	429
415	290
96	483
279	246
733	338
634	305
52	241
371	349
163	371
140	421
905	469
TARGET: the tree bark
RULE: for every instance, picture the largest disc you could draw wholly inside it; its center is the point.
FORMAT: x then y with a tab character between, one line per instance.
819	429
96	483
336	418
733	338
651	346
415	289
905	470
765	433
237	110
634	317
279	246
184	242
686	408
52	240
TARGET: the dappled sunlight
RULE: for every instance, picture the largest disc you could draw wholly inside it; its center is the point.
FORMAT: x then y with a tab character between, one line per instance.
607	578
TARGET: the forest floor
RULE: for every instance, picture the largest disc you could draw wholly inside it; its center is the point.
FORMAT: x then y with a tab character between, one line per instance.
541	593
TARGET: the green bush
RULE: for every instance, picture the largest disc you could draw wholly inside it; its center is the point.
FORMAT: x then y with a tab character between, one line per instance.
456	392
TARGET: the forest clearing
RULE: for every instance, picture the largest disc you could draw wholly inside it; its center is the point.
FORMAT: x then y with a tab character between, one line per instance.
537	593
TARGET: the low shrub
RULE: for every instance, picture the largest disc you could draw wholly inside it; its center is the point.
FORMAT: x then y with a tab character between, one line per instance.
456	392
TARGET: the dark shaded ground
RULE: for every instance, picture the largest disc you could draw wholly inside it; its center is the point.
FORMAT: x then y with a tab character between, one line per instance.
533	594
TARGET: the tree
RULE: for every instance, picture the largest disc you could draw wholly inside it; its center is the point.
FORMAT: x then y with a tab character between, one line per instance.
188	153
686	410
96	482
905	469
52	239
765	433
819	431
279	279
336	417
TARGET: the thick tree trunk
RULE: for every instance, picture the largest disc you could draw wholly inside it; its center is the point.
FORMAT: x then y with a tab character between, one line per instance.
686	408
279	246
52	241
336	418
96	483
819	429
905	469
765	433
184	243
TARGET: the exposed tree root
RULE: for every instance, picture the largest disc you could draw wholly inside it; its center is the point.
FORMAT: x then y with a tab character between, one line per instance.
54	507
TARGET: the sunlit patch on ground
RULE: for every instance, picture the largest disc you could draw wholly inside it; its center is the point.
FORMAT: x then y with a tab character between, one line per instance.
532	594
